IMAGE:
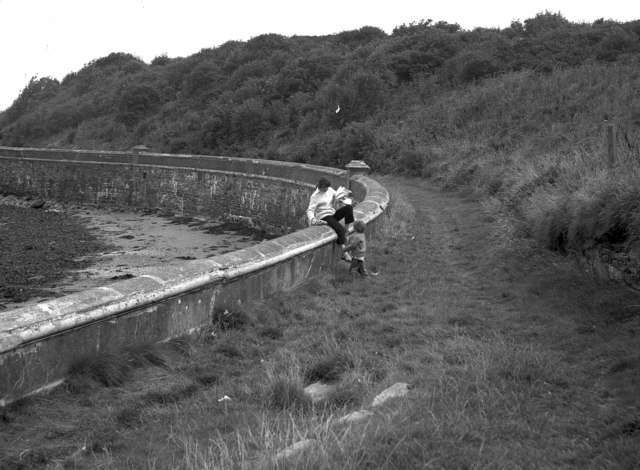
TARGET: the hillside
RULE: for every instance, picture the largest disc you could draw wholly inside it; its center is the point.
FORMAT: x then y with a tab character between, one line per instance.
519	114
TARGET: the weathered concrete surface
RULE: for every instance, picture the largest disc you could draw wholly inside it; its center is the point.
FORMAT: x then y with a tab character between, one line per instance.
38	343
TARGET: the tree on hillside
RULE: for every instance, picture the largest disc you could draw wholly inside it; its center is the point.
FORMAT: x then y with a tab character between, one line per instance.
615	42
120	60
543	23
411	28
37	91
306	74
137	102
353	95
360	37
418	50
203	80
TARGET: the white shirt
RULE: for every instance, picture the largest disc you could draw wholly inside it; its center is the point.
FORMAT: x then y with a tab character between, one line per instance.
322	204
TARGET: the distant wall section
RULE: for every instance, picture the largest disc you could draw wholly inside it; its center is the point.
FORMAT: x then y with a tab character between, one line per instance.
266	194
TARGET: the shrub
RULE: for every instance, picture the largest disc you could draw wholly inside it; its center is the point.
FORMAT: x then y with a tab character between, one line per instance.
161	60
615	43
63	117
137	102
476	69
544	22
38	90
358	37
202	79
117	59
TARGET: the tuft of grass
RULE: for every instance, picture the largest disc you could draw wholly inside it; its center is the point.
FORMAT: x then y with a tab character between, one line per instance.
81	384
130	416
144	355
10	412
329	368
398	220
520	364
286	395
280	305
312	286
184	346
230	350
225	319
207	374
105	441
350	392
111	370
170	396
272	332
341	280
114	369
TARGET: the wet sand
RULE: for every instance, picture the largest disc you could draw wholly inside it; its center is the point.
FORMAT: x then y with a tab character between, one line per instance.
140	240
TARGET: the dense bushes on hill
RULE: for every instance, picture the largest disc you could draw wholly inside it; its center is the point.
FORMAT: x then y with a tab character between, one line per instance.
519	113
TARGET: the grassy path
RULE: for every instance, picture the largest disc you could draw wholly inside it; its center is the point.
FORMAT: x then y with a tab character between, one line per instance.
548	357
515	359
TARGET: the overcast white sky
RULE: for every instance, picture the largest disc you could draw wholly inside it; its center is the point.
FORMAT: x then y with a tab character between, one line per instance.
54	37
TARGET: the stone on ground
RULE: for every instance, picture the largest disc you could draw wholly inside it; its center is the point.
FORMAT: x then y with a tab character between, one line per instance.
399	389
295	449
356	416
318	391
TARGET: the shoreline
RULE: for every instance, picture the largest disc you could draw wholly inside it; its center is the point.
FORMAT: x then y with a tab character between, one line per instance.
134	241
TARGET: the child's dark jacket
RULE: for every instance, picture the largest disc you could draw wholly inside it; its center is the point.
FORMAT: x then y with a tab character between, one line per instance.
357	245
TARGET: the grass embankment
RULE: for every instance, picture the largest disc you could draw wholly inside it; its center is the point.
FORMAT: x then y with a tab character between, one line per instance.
514	358
536	146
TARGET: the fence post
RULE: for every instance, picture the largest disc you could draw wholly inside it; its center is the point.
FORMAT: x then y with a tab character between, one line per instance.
136	152
356	167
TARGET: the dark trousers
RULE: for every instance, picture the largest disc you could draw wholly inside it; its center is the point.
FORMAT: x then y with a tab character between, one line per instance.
358	265
346	213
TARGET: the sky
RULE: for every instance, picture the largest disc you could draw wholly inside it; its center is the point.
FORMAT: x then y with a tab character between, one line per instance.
51	38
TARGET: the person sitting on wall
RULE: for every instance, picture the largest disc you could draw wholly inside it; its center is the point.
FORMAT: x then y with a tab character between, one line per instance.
324	210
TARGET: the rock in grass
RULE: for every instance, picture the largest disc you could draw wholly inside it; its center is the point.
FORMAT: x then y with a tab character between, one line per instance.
355	416
399	389
295	449
318	391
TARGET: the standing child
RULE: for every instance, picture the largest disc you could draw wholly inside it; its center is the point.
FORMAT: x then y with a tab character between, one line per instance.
357	245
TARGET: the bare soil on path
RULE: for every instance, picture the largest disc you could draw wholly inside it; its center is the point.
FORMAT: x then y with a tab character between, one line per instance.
517	358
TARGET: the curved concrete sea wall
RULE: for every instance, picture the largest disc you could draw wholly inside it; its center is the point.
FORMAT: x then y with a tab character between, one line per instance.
39	343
